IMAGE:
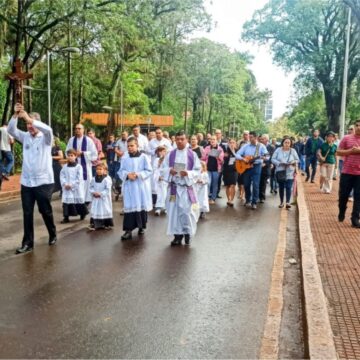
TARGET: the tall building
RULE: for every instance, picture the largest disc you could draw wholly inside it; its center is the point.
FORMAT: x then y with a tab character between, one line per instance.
268	110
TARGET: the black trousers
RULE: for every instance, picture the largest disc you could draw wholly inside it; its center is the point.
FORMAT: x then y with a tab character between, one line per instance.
42	196
263	182
219	183
347	183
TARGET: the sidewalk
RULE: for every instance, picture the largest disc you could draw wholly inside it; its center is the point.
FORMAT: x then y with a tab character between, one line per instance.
338	256
10	189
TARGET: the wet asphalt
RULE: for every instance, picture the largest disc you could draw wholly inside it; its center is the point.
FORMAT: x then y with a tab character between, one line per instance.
93	296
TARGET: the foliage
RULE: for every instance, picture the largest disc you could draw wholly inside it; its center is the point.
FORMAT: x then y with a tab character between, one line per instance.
137	48
309	113
309	36
18	155
280	127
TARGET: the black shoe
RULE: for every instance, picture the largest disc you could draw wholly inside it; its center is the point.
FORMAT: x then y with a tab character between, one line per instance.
177	240
141	232
218	197
52	241
341	217
126	236
24	249
307	179
355	224
64	221
82	217
275	191
187	239
202	215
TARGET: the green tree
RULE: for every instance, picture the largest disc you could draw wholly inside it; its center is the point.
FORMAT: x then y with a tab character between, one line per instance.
309	36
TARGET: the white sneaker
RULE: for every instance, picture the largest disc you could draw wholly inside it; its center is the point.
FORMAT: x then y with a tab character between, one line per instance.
157	212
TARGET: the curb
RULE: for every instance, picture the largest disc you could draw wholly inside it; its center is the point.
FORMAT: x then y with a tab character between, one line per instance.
270	341
9	195
319	337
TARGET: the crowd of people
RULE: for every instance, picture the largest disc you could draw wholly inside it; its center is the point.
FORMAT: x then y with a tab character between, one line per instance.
174	176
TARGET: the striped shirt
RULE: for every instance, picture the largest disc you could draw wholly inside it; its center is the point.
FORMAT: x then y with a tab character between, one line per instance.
351	162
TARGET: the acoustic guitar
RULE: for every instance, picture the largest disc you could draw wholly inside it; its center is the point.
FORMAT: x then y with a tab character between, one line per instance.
241	166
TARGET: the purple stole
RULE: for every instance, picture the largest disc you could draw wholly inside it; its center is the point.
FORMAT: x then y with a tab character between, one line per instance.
82	158
190	165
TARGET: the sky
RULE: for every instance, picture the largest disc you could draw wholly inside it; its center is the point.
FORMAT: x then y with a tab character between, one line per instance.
229	17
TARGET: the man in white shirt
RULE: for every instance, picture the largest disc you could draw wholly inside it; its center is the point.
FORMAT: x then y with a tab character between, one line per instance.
143	142
37	177
159	140
6	154
87	153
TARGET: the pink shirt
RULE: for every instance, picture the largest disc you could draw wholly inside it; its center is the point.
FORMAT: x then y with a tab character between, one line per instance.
98	146
351	162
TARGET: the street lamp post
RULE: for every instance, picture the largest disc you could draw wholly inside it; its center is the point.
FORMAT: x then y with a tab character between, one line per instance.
48	54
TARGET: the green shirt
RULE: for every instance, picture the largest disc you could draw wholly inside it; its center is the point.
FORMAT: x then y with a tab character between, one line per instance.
330	158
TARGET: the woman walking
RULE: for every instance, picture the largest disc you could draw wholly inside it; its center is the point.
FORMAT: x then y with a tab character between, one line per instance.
327	158
285	159
229	172
213	157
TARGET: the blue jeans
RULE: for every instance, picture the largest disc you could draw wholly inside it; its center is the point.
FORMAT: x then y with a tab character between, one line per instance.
252	177
302	162
213	184
311	160
8	161
287	186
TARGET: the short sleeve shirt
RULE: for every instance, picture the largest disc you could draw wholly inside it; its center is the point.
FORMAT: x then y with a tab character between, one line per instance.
351	162
329	152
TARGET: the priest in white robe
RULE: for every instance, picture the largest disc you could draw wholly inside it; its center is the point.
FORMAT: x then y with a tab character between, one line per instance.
87	152
181	168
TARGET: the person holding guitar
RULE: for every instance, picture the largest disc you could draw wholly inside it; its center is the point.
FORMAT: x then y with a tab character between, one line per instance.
251	157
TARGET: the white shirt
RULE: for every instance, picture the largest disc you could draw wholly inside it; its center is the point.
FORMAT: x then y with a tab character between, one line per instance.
155	143
5	139
37	160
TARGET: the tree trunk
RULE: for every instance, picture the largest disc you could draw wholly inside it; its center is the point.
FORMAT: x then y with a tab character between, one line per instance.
333	108
112	92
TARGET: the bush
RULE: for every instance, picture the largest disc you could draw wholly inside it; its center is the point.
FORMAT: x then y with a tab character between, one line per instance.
18	156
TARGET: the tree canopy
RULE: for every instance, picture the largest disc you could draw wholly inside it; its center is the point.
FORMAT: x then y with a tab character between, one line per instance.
145	46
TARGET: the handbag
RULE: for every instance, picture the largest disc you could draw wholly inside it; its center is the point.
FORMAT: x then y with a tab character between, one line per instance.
323	159
281	175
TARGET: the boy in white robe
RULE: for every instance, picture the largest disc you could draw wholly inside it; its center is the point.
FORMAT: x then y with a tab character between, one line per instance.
135	172
202	191
101	204
73	192
181	169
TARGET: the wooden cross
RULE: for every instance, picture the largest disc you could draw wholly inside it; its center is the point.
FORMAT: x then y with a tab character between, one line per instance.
18	77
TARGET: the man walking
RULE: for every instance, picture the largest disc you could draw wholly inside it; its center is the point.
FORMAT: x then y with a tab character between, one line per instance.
7	156
181	168
37	177
312	146
87	153
253	152
349	149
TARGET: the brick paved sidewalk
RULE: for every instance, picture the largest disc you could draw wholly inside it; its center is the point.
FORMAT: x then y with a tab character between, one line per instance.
338	255
10	188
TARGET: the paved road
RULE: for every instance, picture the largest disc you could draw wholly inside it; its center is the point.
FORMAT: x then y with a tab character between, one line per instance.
93	296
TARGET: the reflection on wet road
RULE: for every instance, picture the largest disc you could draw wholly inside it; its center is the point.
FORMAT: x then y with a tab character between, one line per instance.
93	296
